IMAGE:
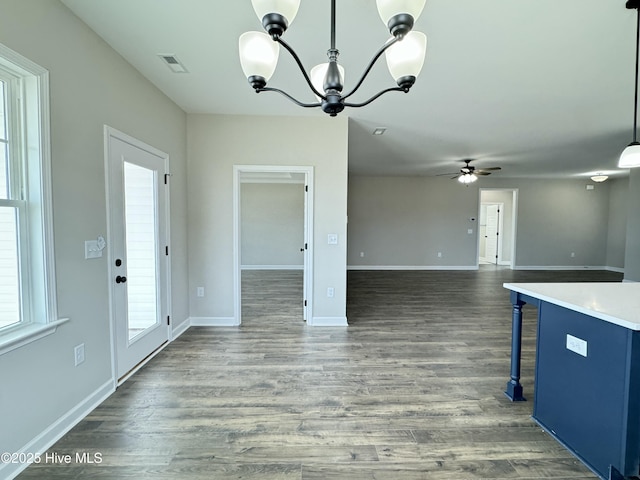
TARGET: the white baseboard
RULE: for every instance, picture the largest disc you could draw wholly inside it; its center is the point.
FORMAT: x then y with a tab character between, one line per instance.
412	267
45	440
615	269
212	322
180	329
559	267
329	322
271	267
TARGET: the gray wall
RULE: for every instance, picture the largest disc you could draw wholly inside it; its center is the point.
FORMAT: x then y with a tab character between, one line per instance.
272	225
90	85
401	221
617	227
218	142
406	221
632	253
557	217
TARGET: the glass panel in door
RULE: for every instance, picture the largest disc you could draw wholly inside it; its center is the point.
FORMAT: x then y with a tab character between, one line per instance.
142	257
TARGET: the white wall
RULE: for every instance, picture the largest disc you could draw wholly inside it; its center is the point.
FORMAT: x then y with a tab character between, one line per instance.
402	221
90	85
272	225
218	142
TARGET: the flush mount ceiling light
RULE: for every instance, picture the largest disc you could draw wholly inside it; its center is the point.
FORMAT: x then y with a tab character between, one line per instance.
630	156
404	52
599	178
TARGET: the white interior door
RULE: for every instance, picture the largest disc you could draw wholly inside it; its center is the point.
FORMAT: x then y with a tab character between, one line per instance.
305	261
492	233
138	250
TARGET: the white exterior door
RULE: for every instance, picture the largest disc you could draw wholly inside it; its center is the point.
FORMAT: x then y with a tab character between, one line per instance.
138	254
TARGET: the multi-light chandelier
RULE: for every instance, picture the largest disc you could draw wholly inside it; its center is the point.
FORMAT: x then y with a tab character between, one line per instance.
404	52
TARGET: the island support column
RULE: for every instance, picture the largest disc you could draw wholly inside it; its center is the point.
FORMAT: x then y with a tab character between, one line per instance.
514	388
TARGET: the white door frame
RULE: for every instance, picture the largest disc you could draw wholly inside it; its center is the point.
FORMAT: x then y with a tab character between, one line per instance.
514	223
109	133
237	241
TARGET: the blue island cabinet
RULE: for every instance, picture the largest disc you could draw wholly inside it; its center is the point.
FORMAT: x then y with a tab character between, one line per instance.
587	389
587	376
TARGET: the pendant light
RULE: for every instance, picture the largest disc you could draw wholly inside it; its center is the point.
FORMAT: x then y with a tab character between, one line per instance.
630	157
404	51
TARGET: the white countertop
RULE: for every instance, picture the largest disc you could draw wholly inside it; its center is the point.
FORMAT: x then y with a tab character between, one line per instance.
613	302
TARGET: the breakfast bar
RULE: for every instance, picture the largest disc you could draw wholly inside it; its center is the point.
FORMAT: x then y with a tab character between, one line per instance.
587	375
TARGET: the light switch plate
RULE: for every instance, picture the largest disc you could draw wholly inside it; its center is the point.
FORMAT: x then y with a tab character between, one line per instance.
92	249
577	345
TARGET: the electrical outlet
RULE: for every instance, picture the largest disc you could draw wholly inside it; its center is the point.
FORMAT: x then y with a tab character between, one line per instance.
573	254
78	353
361	254
330	292
200	291
439	254
577	345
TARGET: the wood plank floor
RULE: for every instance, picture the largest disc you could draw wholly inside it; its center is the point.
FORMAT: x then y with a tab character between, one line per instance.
412	389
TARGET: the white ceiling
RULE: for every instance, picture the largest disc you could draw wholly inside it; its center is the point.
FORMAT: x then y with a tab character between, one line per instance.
541	88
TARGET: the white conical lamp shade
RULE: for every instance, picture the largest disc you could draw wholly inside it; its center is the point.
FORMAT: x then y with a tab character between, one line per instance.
630	157
258	54
406	57
319	72
390	8
287	8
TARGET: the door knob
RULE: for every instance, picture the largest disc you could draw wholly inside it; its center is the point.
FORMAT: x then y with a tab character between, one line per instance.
120	279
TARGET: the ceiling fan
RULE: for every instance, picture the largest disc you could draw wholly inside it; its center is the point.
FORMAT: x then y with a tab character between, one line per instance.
469	173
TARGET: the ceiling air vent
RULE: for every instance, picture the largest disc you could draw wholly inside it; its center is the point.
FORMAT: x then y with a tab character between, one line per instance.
173	63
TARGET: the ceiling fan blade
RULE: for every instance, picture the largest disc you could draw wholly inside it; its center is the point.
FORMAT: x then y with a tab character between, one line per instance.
492	168
445	174
481	172
453	178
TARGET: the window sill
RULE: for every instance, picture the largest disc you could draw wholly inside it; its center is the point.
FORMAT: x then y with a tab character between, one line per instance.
24	335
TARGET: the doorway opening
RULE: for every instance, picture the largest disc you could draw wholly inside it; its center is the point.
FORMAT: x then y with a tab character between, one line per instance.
273	212
497	227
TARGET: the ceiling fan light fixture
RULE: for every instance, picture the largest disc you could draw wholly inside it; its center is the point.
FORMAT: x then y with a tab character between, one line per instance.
467	178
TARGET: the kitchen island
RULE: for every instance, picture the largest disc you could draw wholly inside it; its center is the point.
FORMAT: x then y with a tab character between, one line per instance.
587	378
